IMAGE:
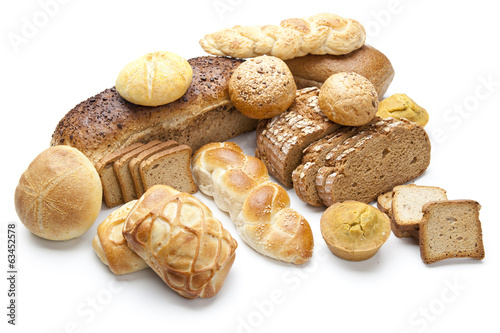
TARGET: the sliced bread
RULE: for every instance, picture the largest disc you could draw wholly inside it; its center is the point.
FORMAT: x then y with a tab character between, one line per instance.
170	167
384	203
391	156
136	161
451	229
282	139
110	186
121	167
407	203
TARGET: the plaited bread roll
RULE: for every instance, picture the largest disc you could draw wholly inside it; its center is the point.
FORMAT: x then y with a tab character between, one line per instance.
112	248
180	239
319	34
260	209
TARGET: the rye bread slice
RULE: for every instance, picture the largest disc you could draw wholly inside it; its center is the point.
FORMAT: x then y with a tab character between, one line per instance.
136	161
407	203
170	167
282	139
451	229
121	167
391	156
304	176
111	189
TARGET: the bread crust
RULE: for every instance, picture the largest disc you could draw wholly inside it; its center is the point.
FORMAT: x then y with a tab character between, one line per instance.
107	122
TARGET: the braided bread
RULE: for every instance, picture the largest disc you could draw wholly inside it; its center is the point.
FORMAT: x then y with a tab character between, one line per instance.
180	239
241	186
319	34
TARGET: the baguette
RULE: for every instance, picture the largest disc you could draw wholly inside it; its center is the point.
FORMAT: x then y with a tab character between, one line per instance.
107	122
260	209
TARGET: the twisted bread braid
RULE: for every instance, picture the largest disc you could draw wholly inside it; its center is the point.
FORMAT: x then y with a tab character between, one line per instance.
240	185
180	239
319	34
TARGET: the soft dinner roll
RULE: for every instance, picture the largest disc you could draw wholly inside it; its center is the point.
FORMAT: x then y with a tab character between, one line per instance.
401	106
154	79
348	99
354	230
59	195
262	87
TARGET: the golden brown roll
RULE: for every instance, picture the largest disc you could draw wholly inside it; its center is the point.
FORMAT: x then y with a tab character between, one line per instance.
59	195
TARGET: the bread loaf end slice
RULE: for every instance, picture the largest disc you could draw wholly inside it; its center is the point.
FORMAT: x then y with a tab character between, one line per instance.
170	167
451	229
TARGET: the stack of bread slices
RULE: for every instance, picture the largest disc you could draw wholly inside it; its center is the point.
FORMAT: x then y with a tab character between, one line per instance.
128	172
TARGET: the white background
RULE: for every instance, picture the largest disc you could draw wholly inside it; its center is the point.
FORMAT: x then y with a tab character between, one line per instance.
445	54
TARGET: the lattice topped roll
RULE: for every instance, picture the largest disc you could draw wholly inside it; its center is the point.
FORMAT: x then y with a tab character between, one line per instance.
296	37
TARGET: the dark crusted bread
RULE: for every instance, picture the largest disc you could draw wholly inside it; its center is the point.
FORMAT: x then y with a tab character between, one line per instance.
107	122
391	156
313	70
282	139
451	229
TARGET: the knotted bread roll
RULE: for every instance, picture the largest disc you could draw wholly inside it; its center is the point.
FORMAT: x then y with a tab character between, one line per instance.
319	34
241	186
180	239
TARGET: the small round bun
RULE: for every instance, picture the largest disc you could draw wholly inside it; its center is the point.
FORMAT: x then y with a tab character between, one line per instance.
354	230
401	106
59	196
262	87
155	79
348	99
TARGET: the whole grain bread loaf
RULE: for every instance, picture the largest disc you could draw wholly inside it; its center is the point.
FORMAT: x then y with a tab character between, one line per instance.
282	139
106	122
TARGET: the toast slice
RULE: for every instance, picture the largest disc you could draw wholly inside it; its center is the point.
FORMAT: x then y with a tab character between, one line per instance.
407	203
390	156
170	167
451	229
123	174
110	186
135	162
282	139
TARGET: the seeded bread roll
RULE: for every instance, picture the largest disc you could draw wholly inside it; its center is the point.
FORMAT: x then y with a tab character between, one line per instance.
262	87
107	122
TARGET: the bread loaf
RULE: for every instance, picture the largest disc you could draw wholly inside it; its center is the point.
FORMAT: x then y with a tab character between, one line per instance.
107	122
180	239
260	208
319	34
313	70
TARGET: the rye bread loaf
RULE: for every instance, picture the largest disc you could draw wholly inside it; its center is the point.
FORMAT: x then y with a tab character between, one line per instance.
391	156
313	70
107	122
282	139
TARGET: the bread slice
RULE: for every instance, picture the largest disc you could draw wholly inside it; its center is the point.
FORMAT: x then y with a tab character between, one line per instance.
123	173
304	176
135	162
451	229
170	167
110	186
407	203
282	139
384	203
390	156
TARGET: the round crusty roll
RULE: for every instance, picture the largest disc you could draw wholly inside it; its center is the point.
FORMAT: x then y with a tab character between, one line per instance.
59	196
262	87
354	230
348	99
155	79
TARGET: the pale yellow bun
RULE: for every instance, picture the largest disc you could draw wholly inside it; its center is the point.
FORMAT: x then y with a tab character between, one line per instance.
262	87
155	79
59	196
354	230
348	99
401	106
